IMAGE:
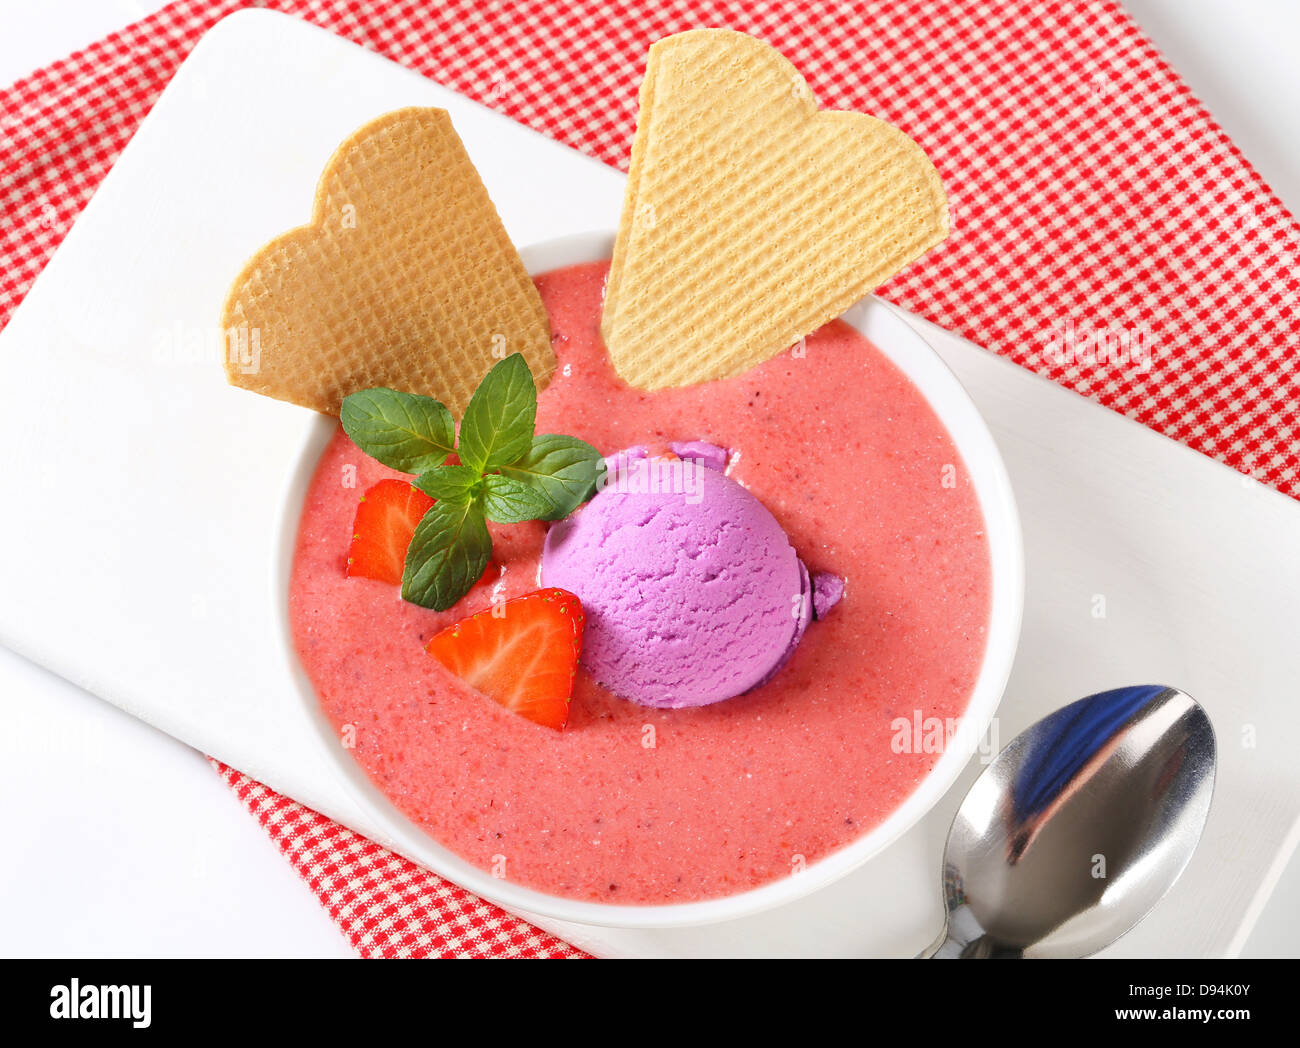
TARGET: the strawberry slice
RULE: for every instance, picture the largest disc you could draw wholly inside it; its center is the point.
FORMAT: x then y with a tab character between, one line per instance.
385	522
523	657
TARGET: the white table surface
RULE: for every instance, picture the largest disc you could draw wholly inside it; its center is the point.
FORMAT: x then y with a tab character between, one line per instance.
123	842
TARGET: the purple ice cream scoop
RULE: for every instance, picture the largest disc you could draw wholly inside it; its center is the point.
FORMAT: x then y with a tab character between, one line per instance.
693	593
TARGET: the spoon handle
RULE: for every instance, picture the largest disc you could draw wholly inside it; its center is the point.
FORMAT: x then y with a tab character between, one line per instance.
933	949
951	945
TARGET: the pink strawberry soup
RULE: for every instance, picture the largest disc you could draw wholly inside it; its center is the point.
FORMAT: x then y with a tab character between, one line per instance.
636	805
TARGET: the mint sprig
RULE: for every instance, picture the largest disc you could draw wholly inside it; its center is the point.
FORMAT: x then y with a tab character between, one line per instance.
450	483
561	468
447	555
498	423
509	501
402	430
506	474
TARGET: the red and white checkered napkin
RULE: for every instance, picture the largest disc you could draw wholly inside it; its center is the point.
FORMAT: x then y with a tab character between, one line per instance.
1093	199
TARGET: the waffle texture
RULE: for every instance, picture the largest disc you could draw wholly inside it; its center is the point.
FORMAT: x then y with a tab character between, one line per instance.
404	278
750	217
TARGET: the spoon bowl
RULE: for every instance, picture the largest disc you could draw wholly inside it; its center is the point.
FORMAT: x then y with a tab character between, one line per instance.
1079	827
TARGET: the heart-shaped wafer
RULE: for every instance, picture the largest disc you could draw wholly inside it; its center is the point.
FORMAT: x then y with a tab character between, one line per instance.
751	217
404	278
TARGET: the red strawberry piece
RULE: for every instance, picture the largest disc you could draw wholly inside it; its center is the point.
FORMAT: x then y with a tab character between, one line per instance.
385	522
524	656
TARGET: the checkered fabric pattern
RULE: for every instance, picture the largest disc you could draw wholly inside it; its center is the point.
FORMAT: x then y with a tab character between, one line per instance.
386	905
1107	235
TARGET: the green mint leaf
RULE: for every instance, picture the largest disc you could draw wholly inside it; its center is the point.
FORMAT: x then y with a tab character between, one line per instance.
449	483
498	423
564	469
447	555
404	431
509	501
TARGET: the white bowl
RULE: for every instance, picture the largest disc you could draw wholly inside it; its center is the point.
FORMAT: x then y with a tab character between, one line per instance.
893	337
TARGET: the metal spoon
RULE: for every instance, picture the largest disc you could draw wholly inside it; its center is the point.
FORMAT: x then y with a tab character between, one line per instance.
1079	827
